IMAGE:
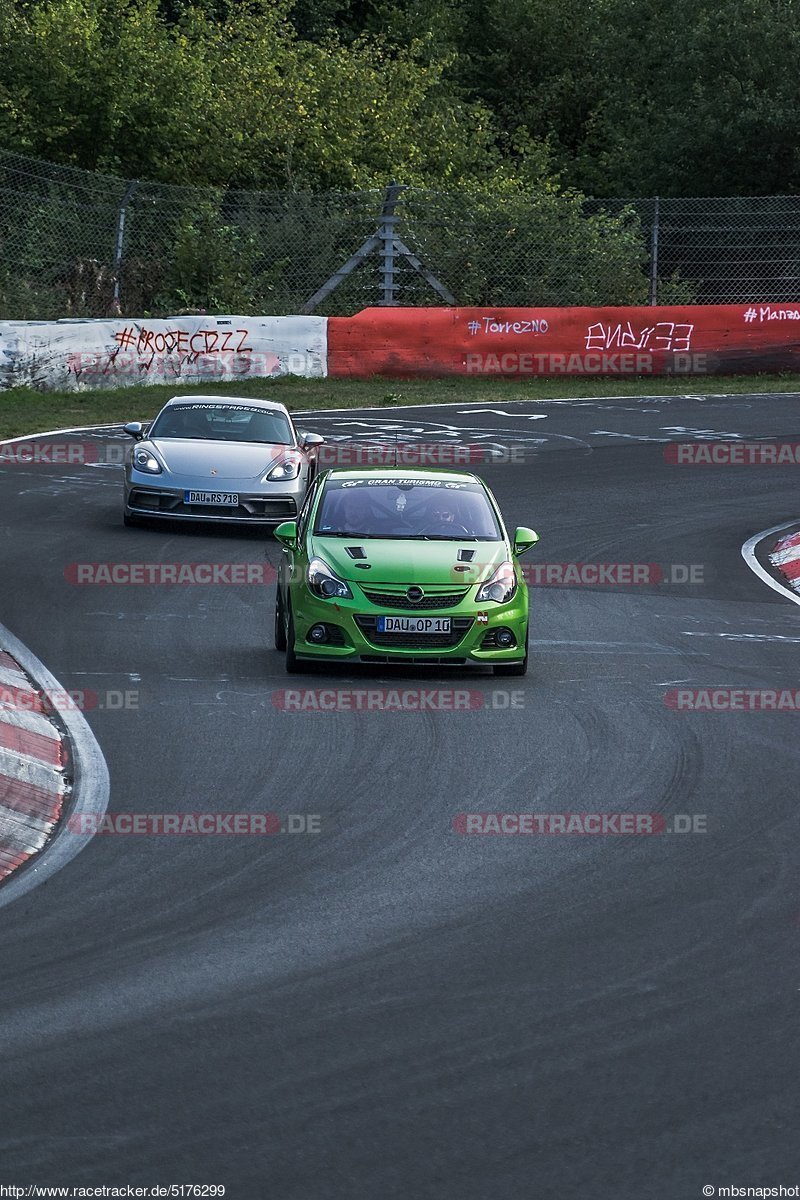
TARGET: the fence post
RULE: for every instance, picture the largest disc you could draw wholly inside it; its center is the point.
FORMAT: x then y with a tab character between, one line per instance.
386	242
116	308
654	255
386	233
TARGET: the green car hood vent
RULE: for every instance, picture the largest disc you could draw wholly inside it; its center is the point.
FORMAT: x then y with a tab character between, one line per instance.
403	561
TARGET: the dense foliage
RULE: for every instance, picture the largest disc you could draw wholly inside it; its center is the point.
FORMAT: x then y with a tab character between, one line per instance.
612	97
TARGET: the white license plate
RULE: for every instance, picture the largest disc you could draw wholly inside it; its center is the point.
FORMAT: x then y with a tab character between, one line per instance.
230	499
413	624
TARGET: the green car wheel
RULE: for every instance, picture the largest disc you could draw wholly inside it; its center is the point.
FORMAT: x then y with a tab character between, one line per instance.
280	627
293	664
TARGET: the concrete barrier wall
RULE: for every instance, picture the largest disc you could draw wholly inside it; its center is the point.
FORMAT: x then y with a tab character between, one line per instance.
690	339
402	342
73	355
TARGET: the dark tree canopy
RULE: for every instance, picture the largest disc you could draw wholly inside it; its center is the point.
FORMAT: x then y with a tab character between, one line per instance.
610	97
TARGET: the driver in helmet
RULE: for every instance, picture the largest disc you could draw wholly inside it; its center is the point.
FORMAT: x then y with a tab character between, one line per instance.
443	511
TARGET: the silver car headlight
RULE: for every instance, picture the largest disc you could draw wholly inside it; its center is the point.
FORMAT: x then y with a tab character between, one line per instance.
324	583
288	468
500	587
144	460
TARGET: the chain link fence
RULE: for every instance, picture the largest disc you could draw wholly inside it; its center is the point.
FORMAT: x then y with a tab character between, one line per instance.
718	249
78	244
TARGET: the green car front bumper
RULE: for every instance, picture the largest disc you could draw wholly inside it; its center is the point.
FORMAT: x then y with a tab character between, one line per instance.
352	635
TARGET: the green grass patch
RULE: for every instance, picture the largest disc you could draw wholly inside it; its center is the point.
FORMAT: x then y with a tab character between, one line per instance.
23	410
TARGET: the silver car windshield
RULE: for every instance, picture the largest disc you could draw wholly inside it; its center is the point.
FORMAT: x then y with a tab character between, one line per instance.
423	509
223	423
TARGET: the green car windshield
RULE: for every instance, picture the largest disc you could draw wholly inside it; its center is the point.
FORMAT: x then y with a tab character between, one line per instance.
406	508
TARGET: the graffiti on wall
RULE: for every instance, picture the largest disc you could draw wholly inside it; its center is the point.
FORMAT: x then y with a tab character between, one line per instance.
76	355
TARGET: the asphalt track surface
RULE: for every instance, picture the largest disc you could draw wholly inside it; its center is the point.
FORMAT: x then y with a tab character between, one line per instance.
388	1008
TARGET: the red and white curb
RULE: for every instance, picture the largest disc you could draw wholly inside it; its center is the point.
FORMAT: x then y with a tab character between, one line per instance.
785	557
755	548
34	757
48	771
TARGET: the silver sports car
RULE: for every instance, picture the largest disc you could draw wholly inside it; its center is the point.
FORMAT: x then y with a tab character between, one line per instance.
219	458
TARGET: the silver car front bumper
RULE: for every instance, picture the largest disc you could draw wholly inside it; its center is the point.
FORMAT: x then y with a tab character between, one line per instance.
145	498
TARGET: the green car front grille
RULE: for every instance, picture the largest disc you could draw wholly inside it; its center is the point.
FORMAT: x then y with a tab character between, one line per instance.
427	602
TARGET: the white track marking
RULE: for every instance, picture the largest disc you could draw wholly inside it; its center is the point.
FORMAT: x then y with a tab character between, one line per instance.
500	412
53	432
743	637
466	405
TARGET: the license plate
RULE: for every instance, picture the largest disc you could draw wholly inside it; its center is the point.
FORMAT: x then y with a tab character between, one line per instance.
230	499
413	624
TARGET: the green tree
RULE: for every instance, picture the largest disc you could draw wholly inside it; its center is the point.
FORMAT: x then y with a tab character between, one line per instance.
637	97
116	86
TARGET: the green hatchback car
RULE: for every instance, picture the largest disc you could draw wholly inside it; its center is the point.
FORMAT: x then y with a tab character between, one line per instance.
398	566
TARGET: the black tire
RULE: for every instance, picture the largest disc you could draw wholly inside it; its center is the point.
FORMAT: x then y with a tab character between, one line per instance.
280	627
293	664
130	521
514	668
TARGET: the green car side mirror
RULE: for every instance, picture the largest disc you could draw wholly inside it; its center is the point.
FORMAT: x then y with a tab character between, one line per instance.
286	534
523	540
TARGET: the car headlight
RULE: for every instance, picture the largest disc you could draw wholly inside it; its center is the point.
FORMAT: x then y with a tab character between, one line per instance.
324	583
143	460
500	587
287	468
